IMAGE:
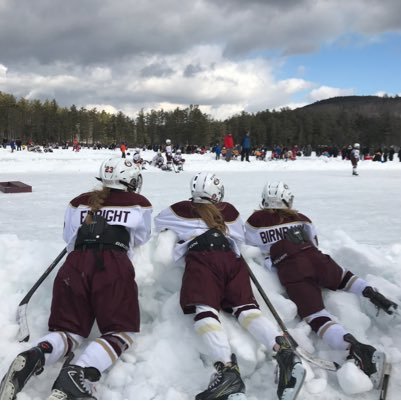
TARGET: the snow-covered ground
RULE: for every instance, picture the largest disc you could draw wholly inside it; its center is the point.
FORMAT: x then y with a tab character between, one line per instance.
359	225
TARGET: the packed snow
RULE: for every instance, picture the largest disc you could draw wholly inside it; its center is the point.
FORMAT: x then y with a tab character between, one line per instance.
358	221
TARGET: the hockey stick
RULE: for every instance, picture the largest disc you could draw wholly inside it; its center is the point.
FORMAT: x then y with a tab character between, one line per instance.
23	330
385	381
321	363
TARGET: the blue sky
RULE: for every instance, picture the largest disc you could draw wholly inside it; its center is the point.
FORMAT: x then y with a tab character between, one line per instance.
367	67
224	55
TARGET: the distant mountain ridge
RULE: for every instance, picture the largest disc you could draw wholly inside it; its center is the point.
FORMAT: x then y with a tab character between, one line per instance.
365	105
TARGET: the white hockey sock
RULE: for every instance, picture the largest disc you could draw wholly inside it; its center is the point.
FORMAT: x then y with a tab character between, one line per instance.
333	334
356	285
98	355
101	355
259	326
58	340
215	339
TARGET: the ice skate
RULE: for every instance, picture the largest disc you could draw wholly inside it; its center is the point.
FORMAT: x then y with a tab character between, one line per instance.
291	372
73	382
367	358
225	384
25	365
380	301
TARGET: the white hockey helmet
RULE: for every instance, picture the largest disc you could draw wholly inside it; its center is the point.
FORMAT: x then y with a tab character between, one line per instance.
178	151
168	142
119	173
206	188
356	145
276	195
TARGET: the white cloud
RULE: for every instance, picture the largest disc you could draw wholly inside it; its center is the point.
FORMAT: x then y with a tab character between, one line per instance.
100	107
3	71
100	73
220	54
325	92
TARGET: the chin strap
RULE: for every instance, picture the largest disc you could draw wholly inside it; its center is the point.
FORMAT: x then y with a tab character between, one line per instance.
130	187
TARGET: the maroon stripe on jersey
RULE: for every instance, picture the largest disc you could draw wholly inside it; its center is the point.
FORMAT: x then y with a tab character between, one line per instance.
186	210
265	218
116	198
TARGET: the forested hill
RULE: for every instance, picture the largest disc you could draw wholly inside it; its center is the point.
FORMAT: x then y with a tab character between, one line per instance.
366	105
372	121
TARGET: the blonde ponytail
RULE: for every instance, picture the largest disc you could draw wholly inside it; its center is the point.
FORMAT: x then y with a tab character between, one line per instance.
211	215
96	201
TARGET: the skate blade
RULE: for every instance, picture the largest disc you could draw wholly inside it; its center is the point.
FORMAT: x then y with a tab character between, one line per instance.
237	396
7	389
379	359
299	373
57	395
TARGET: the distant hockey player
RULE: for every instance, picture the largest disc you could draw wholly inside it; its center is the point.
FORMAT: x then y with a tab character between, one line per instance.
137	159
355	156
158	160
169	154
288	242
178	160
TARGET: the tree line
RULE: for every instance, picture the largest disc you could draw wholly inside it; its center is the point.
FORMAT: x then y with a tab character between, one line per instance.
370	120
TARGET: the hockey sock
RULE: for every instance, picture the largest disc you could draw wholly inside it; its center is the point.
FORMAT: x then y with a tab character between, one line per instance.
327	329
333	334
60	342
352	283
207	325
259	326
104	351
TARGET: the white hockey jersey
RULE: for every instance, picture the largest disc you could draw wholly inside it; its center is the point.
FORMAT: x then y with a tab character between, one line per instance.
182	218
264	228
130	210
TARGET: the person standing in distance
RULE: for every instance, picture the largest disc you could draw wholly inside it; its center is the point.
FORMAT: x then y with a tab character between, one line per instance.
209	234
229	145
96	282
123	148
246	147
